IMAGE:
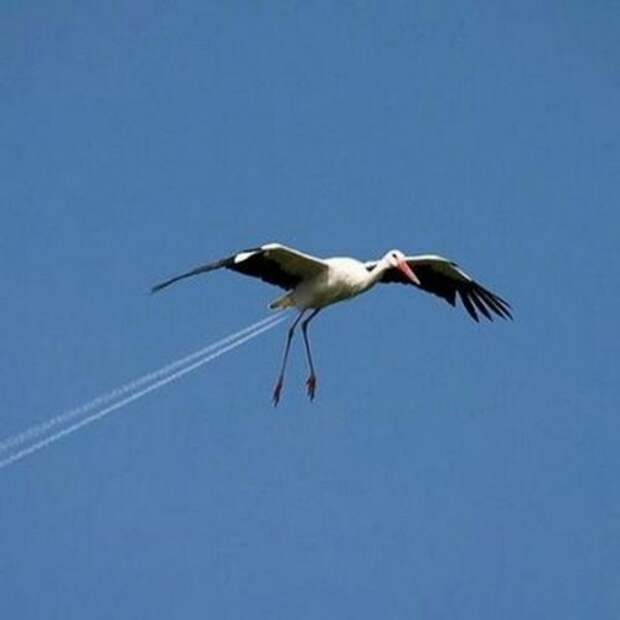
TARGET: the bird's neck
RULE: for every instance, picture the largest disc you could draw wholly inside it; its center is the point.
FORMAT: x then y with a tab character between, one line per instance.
375	275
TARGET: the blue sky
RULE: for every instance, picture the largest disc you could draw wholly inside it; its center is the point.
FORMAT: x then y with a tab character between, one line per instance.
446	469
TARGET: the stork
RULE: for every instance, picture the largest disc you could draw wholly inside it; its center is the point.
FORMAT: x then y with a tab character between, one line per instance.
312	284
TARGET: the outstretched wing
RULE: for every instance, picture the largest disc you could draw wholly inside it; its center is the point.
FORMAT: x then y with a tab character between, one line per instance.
273	263
445	279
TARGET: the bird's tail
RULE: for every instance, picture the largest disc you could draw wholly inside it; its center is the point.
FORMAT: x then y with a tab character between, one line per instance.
286	301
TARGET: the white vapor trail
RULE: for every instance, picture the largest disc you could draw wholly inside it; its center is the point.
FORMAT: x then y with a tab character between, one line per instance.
43	427
39	445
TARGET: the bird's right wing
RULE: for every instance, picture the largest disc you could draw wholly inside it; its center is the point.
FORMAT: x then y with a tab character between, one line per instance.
444	278
273	263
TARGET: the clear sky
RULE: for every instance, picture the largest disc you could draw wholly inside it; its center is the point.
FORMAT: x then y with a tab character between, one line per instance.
446	469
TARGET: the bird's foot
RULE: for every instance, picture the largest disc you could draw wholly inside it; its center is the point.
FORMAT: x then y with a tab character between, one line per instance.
276	392
311	386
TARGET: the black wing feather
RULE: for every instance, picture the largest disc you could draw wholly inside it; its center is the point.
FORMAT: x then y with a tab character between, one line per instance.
259	265
468	305
479	305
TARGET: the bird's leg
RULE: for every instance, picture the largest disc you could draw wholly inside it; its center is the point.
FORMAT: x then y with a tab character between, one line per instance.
311	382
278	388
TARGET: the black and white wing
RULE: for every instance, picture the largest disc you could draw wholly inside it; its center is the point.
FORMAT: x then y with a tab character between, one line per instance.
273	263
445	279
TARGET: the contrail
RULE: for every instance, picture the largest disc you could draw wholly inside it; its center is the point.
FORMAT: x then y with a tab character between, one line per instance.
129	399
43	427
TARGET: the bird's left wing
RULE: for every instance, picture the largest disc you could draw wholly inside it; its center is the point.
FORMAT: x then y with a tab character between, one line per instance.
273	263
442	277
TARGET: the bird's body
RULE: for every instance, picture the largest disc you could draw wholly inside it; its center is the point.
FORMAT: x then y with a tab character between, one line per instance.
343	279
313	283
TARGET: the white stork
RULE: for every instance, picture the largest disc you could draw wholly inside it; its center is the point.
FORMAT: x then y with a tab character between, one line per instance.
313	283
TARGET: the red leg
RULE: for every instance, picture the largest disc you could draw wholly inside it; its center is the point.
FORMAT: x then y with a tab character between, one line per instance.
311	382
280	382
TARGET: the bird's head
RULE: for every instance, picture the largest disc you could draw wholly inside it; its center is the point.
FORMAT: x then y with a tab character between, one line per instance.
397	260
394	257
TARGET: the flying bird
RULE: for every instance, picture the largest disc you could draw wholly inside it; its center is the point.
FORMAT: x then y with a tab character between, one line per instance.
312	284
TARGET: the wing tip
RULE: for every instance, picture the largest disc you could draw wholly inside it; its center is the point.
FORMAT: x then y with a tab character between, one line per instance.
158	287
498	305
468	305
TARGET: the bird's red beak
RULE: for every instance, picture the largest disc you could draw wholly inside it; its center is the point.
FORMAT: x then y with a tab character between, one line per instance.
403	267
